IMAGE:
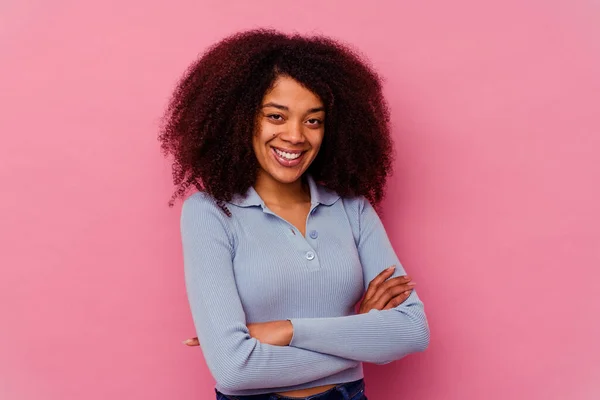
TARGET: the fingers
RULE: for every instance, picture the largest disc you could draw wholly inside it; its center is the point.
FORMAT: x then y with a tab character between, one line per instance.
392	297
396	301
382	289
191	342
378	280
389	284
381	301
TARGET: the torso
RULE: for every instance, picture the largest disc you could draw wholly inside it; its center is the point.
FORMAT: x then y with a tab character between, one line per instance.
300	246
297	217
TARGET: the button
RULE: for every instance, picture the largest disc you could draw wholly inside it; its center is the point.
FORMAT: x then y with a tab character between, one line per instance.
314	234
310	255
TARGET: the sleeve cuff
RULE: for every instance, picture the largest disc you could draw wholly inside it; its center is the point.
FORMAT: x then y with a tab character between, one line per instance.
298	325
307	332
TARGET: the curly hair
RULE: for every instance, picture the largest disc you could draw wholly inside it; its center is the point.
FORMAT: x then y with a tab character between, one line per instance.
210	120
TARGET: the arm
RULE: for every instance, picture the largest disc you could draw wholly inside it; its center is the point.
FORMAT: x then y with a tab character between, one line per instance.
236	360
377	336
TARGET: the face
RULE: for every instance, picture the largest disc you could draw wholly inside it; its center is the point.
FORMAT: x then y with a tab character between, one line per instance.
289	131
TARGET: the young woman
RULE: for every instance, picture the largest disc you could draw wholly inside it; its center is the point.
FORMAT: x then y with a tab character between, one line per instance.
287	140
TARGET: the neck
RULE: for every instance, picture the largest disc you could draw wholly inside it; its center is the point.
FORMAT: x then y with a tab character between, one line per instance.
276	193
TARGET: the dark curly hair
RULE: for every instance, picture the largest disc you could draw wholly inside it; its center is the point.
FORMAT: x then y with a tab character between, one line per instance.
210	119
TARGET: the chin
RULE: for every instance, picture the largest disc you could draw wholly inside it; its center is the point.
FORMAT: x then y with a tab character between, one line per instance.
289	176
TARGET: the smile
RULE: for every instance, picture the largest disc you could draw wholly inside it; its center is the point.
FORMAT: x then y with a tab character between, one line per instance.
286	155
288	158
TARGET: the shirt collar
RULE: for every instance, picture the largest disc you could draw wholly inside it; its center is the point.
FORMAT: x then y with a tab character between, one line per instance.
318	195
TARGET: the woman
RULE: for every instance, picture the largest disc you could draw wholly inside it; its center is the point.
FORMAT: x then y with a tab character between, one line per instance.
287	140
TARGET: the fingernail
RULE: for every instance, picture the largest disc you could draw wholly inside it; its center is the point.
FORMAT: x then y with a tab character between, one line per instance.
411	284
187	341
391	268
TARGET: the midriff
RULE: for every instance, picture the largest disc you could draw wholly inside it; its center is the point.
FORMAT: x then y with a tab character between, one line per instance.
306	392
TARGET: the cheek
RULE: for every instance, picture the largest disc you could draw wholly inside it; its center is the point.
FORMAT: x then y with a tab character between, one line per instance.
317	139
264	134
259	144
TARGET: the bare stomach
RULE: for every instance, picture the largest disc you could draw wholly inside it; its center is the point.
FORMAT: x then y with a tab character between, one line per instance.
306	392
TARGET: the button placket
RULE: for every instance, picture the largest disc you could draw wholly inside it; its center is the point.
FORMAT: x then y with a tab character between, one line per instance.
312	260
306	249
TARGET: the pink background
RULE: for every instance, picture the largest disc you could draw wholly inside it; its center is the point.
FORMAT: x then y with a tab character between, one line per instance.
494	207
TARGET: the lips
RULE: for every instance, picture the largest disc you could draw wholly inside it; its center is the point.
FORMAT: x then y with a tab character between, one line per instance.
285	157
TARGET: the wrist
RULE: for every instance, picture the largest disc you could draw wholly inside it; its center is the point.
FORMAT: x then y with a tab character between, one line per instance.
288	331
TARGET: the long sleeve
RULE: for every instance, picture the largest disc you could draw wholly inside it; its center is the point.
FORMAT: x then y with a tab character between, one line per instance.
377	336
236	360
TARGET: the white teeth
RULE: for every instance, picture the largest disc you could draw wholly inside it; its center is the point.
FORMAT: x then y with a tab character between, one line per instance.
287	156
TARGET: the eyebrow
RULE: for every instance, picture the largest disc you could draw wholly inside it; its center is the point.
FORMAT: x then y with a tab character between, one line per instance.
285	108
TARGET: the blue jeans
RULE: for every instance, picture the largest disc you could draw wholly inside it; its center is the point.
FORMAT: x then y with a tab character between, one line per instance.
344	391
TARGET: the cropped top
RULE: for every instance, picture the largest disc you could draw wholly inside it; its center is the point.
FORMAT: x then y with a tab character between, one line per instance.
254	266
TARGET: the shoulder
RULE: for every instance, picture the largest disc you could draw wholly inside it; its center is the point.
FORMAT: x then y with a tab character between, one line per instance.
360	212
199	202
355	204
201	208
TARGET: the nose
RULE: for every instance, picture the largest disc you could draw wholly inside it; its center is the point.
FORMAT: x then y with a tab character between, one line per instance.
294	133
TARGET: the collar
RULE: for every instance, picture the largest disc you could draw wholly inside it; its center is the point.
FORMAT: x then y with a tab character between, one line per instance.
318	195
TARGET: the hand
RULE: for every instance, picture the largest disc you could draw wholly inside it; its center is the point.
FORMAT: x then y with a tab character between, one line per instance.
192	342
276	333
384	293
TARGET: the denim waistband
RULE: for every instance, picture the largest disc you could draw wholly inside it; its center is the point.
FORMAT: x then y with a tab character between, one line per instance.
343	391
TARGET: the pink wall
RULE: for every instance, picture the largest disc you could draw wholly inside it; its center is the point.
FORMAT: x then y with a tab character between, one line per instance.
494	207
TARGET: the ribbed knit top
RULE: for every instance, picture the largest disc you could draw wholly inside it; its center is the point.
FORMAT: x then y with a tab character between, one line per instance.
254	266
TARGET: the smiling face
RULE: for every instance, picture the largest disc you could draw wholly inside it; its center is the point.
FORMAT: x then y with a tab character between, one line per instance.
289	131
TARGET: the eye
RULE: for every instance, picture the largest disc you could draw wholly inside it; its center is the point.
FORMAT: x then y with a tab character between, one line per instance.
314	122
275	117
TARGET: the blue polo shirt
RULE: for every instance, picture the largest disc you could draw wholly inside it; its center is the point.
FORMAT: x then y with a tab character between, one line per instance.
254	266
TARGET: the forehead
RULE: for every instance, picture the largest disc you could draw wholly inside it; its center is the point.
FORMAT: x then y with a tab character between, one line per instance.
289	92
